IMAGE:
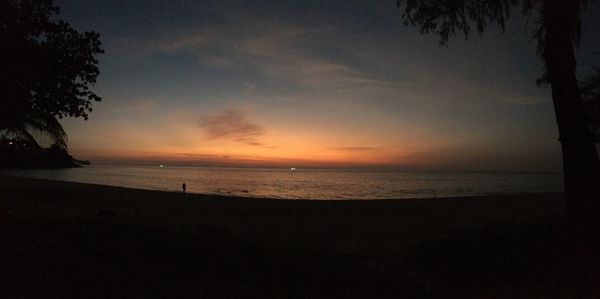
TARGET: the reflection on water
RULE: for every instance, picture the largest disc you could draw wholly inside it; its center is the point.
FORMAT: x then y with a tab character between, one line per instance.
307	184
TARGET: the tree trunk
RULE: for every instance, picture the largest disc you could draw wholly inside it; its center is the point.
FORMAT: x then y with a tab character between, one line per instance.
581	166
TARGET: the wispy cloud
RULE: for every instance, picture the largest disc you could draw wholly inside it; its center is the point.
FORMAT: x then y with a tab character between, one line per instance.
279	50
285	53
356	148
216	61
232	124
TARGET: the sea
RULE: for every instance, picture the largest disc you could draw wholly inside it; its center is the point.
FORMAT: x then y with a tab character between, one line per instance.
317	184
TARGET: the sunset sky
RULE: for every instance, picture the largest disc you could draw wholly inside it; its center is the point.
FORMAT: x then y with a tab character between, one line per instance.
312	83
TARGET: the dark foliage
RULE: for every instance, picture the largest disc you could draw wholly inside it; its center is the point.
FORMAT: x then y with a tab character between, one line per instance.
446	18
21	153
46	69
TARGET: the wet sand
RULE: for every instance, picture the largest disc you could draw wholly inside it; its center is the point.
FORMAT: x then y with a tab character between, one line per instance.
62	239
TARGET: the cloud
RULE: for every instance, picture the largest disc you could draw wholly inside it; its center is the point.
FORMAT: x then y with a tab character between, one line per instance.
216	61
279	50
290	53
232	124
356	148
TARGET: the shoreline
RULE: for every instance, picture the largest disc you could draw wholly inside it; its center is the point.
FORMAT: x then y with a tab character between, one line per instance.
115	241
258	197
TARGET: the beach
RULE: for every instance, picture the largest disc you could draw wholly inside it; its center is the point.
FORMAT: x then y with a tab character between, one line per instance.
64	239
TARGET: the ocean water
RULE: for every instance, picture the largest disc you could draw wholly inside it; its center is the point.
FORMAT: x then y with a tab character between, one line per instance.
306	184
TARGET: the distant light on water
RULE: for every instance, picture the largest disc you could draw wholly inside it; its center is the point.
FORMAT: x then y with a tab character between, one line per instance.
293	168
308	183
161	166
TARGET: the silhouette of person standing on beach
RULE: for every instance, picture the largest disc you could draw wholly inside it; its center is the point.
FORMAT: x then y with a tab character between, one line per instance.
183	187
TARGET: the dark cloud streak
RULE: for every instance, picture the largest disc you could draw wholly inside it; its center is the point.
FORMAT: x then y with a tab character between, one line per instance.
232	124
356	148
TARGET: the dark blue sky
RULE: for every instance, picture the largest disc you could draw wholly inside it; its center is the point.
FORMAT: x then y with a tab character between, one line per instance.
335	83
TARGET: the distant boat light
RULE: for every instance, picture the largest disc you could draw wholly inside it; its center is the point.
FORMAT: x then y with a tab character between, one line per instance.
293	168
161	166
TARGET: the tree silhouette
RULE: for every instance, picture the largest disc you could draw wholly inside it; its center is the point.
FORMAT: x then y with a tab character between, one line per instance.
557	32
46	70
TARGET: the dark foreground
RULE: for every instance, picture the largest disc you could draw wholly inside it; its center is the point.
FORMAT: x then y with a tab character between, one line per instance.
62	239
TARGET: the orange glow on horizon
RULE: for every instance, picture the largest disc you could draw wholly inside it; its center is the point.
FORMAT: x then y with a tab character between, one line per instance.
237	138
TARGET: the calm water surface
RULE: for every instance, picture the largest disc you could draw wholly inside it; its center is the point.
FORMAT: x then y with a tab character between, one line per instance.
306	184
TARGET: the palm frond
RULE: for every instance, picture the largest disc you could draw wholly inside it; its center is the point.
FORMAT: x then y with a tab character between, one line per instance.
45	124
49	125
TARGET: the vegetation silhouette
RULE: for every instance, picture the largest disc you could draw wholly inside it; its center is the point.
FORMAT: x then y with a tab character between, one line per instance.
47	69
557	32
19	153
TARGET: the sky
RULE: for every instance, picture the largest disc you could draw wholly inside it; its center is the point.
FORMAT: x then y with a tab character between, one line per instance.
312	84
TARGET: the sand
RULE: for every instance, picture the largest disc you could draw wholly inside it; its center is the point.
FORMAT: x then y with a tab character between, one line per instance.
62	239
